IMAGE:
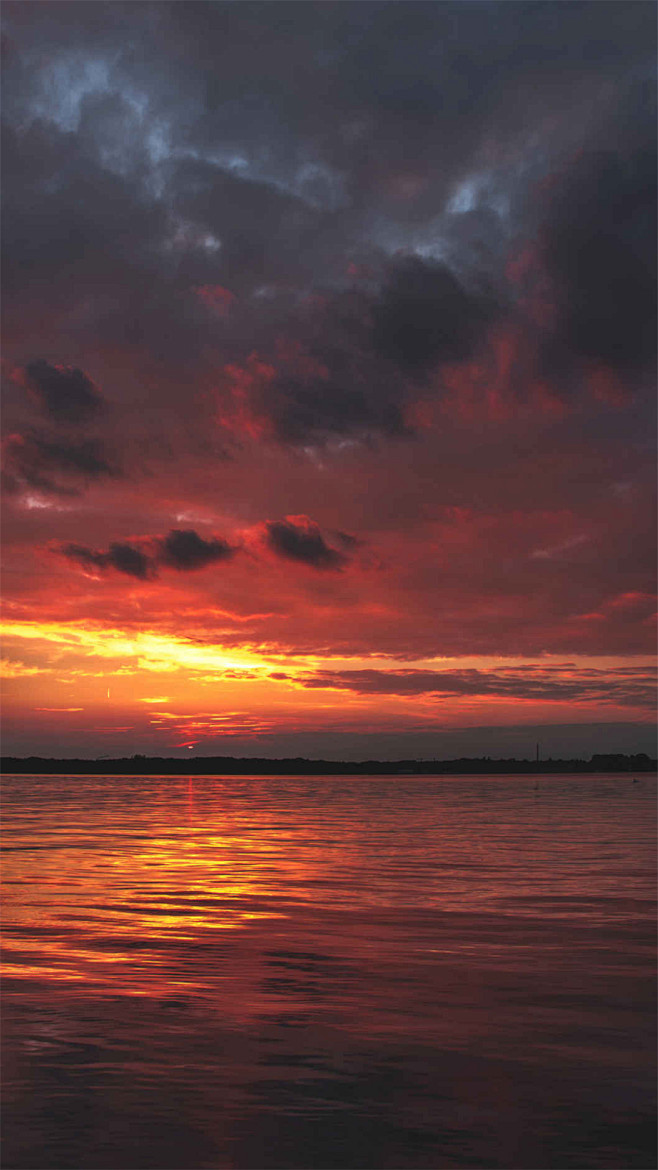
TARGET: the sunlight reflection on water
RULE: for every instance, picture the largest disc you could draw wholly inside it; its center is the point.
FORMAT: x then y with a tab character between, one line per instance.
328	972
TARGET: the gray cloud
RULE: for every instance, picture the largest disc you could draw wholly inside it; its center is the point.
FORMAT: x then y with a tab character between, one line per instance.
152	149
599	245
627	686
66	394
184	549
125	558
303	542
56	466
347	369
424	317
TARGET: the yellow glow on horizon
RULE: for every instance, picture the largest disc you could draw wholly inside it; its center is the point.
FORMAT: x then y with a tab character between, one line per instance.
174	691
159	653
155	652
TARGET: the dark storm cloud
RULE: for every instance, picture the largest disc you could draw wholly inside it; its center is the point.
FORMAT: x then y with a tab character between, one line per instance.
54	466
125	558
155	149
355	351
184	549
86	250
424	317
66	394
599	245
384	92
314	410
629	686
302	541
251	218
328	382
80	220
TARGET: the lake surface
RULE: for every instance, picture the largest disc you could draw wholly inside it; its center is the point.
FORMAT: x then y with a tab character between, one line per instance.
329	972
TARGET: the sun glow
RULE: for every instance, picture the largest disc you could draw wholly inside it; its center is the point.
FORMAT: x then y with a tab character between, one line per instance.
169	691
153	651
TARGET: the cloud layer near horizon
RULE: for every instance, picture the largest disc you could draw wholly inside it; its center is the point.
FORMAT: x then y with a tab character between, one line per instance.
348	311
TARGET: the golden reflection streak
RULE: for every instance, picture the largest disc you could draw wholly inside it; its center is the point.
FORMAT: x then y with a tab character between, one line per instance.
212	900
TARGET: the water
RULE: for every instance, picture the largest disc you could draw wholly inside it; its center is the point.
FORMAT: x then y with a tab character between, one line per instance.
328	972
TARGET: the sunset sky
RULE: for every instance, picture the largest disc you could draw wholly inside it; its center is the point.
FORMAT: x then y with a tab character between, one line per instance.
329	378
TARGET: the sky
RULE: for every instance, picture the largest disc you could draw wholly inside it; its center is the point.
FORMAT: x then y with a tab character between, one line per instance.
329	378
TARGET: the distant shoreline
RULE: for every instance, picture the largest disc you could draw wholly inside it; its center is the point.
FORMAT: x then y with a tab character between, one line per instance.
232	766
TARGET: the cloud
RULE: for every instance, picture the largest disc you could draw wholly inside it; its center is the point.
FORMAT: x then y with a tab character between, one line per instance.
125	558
14	669
215	196
56	466
184	549
66	393
345	363
599	245
373	132
425	317
627	686
299	539
321	380
285	249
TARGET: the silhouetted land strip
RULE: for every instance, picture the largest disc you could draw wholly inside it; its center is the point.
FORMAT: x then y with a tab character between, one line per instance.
231	766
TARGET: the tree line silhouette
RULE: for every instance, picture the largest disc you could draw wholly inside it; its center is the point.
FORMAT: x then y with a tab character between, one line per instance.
232	766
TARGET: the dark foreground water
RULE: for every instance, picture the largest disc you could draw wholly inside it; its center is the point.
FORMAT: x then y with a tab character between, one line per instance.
340	973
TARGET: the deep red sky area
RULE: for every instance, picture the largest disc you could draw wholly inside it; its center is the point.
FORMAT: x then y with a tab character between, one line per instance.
329	378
